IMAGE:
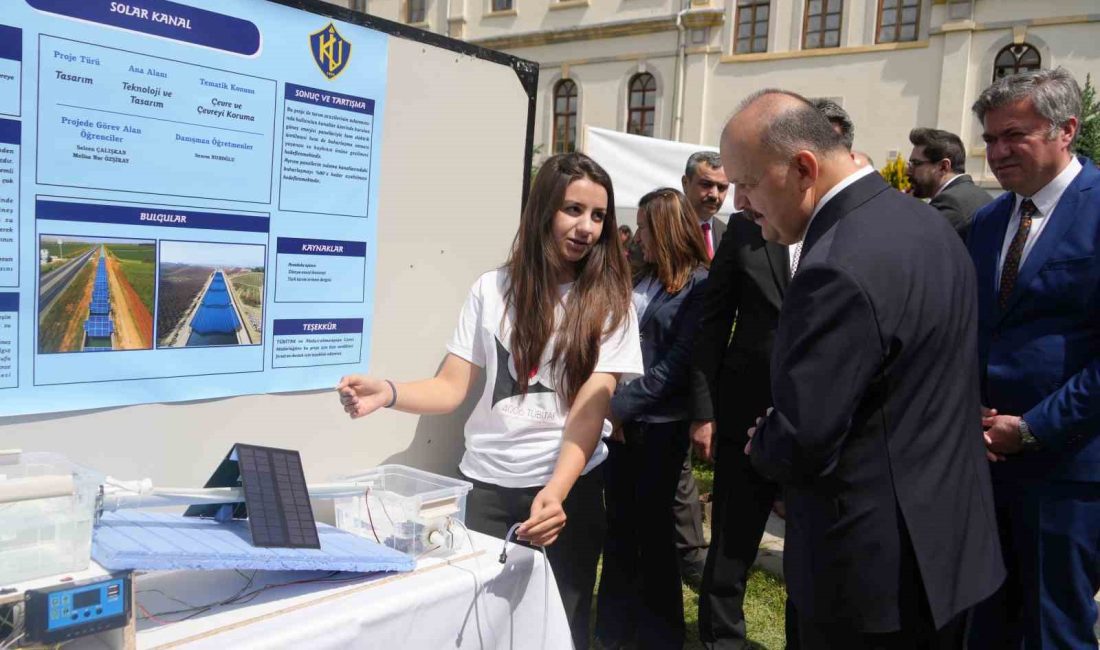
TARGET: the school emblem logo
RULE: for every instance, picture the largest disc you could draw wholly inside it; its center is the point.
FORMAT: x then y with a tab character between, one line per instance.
331	52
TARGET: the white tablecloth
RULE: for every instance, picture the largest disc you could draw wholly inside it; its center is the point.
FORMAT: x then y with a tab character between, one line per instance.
468	600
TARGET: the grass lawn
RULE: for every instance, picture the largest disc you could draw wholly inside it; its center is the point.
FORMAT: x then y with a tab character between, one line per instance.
765	600
137	252
249	279
71	249
142	277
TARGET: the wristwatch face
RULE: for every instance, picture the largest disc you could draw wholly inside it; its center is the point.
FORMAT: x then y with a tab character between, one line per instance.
1027	440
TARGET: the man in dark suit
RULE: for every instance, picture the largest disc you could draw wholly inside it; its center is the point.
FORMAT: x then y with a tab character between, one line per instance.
705	187
731	389
937	171
1037	253
891	536
748	277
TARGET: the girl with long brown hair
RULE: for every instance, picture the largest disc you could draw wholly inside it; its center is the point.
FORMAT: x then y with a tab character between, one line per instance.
640	600
554	330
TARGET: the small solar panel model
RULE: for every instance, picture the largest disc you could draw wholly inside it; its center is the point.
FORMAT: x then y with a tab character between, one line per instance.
276	499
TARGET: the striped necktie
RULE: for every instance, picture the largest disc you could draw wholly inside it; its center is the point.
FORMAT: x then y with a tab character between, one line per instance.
1011	269
707	241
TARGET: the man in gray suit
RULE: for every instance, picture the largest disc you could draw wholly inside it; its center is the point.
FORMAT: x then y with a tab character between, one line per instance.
937	169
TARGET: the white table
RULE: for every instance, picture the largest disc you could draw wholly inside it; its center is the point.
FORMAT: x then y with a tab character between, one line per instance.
467	600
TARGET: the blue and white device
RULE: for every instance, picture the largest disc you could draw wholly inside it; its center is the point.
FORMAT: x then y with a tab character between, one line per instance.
68	611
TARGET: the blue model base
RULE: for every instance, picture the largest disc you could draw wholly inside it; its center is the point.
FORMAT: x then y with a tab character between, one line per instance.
158	541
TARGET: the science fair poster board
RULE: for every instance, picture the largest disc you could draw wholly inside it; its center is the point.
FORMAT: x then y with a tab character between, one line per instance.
191	193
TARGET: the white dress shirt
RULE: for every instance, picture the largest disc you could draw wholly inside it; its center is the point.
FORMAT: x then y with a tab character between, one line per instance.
945	184
1045	200
645	292
794	250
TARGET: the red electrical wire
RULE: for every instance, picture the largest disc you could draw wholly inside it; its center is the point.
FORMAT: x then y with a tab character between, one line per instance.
149	615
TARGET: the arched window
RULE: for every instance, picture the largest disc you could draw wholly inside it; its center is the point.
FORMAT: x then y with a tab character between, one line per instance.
565	116
898	20
642	103
1018	57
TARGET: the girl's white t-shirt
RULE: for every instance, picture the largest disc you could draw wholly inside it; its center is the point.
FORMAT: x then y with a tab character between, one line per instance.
511	440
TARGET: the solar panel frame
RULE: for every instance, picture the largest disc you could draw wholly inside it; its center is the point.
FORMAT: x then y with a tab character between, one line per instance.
279	511
99	326
100	306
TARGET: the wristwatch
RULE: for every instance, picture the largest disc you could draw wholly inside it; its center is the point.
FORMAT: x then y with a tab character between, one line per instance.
1028	441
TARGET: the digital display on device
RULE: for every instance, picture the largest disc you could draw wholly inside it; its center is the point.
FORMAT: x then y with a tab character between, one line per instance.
88	598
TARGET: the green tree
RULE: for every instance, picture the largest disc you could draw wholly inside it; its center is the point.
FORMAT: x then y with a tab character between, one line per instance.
536	153
1088	140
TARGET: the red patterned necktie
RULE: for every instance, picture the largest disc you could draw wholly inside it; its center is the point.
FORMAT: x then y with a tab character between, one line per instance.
1011	269
706	240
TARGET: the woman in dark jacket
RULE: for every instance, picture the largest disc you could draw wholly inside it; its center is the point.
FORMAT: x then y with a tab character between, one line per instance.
640	598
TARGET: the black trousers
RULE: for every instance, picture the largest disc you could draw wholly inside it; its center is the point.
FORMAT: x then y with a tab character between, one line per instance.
573	556
741	503
919	635
690	541
640	597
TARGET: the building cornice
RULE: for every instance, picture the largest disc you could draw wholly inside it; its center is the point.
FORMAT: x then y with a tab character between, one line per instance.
971	26
558	5
587	32
824	51
703	18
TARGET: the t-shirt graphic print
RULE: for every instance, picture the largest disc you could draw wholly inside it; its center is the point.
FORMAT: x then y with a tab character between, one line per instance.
512	440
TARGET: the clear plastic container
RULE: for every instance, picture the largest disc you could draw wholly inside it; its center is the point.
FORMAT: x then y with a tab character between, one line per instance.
406	509
47	505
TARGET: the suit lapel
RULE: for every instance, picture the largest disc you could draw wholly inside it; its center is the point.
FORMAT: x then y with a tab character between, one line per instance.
780	262
844	202
651	309
1053	234
719	232
989	254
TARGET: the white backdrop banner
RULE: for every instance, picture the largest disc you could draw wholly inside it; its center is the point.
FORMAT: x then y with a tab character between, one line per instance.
638	165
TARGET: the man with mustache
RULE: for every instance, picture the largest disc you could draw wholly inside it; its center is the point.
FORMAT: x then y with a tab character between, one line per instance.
748	278
705	187
890	536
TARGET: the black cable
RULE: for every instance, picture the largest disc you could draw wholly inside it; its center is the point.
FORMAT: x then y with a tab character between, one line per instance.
243	596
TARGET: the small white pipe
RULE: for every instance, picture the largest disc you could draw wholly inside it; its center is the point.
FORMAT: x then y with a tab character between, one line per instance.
163	497
36	487
681	72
